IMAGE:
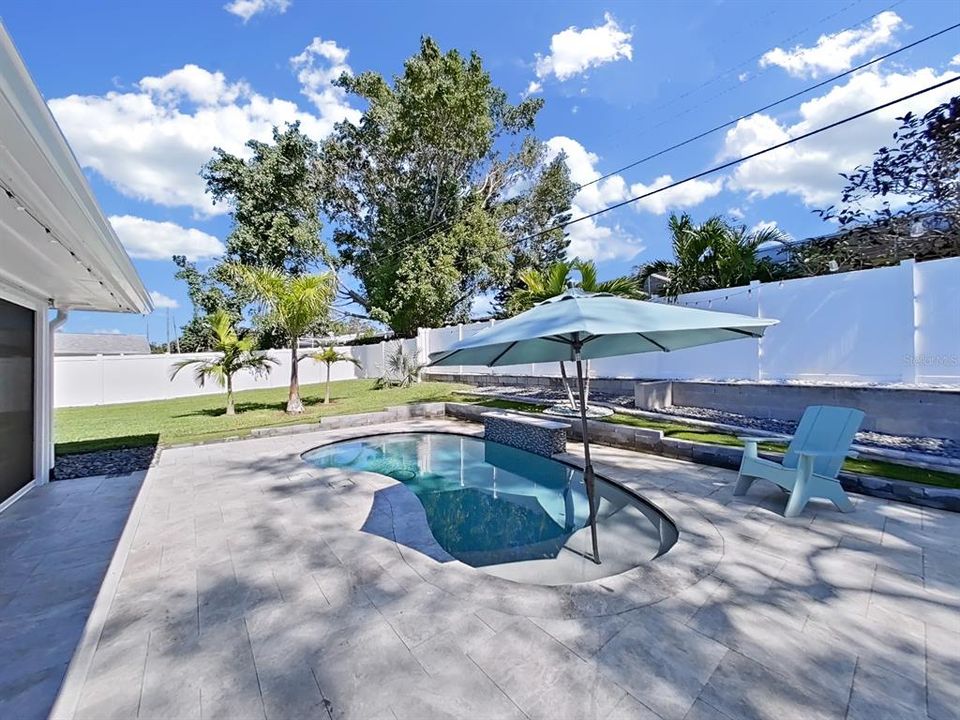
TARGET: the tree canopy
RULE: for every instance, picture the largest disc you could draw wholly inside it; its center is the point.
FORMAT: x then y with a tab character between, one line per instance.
713	254
435	186
273	200
905	203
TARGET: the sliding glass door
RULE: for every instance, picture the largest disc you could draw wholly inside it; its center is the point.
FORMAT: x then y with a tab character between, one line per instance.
17	348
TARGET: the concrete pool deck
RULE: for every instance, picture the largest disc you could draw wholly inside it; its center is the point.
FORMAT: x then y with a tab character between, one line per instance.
244	587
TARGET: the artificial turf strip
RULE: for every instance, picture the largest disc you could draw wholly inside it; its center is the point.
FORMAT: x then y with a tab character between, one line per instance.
681	431
202	418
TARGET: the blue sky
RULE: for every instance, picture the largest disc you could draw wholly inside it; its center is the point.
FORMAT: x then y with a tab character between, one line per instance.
144	90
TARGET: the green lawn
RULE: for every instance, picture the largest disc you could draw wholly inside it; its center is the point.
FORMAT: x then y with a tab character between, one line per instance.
194	419
695	433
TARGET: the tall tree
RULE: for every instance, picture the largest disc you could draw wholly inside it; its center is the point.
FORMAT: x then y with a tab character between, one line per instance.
435	186
714	254
273	201
905	203
293	303
235	353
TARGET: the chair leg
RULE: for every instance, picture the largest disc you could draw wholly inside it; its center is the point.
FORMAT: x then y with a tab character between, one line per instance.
743	484
801	488
834	492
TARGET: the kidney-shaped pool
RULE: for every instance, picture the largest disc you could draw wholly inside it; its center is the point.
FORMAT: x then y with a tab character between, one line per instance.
508	512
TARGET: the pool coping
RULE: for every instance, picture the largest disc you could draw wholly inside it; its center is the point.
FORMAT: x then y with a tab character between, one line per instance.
694	556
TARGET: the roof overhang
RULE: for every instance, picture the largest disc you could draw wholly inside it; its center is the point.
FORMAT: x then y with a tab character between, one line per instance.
56	243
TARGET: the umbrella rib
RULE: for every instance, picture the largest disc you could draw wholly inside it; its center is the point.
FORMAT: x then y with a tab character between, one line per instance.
654	342
742	332
507	349
448	355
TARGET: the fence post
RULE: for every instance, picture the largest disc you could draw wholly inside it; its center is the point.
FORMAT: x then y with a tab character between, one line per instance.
909	279
755	289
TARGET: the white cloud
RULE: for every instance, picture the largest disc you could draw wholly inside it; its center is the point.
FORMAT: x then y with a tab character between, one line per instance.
162	302
533	88
736	213
955	60
152	240
591	241
574	51
246	9
835	53
809	168
110	331
687	195
318	66
150	142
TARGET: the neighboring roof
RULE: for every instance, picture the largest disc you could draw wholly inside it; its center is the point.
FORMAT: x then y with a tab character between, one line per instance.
56	242
99	344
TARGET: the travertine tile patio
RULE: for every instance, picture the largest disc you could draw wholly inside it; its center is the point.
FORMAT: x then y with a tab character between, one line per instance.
250	591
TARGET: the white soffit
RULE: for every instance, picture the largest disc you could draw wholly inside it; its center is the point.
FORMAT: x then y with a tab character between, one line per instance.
80	263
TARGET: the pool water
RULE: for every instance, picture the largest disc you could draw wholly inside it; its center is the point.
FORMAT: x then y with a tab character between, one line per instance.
509	512
485	503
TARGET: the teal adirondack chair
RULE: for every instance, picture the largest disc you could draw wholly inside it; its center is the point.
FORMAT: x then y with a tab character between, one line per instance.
813	459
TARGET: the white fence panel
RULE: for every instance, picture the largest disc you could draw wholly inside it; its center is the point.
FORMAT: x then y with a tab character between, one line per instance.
853	326
884	325
936	356
108	379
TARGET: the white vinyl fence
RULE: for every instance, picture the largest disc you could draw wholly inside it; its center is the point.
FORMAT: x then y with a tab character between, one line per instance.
897	324
107	379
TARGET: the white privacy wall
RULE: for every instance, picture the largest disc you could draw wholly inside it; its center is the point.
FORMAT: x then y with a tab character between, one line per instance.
897	324
108	379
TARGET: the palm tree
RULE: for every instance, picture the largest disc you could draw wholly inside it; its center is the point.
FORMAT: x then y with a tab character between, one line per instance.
329	356
236	354
539	286
292	303
714	254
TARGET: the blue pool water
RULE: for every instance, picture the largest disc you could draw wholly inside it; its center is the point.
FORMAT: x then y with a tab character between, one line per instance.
485	503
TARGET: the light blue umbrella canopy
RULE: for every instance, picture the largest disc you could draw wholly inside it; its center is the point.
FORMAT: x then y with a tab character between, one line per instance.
603	325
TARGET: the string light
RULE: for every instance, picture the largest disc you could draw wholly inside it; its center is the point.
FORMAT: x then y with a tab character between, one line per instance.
21	207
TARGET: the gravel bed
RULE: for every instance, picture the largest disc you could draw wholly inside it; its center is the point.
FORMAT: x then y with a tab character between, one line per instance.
542	394
930	446
104	462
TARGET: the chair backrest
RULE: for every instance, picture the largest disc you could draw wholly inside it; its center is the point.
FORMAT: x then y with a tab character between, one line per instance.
827	428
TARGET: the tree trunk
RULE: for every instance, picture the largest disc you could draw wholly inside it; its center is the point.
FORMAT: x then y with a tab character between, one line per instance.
294	405
566	386
326	397
230	409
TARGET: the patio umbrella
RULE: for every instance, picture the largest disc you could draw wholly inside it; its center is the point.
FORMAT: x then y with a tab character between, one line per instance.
577	326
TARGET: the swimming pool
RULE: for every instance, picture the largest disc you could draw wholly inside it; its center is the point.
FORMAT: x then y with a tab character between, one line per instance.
506	511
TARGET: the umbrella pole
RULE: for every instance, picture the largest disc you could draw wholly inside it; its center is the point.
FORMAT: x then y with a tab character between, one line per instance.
587	465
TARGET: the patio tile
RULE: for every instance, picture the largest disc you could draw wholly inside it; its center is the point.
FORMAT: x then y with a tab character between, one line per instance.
744	689
879	693
809	661
543	677
662	662
259	587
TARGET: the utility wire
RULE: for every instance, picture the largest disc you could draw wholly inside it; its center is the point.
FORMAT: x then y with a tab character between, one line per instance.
391	252
715	78
739	160
793	96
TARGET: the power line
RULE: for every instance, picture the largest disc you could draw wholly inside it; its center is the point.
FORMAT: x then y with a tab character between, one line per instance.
739	160
770	105
390	253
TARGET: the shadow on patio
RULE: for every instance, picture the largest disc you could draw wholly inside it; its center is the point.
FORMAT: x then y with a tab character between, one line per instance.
57	544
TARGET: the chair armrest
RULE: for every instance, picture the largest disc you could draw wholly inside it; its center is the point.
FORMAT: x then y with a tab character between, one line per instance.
767	438
822	453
